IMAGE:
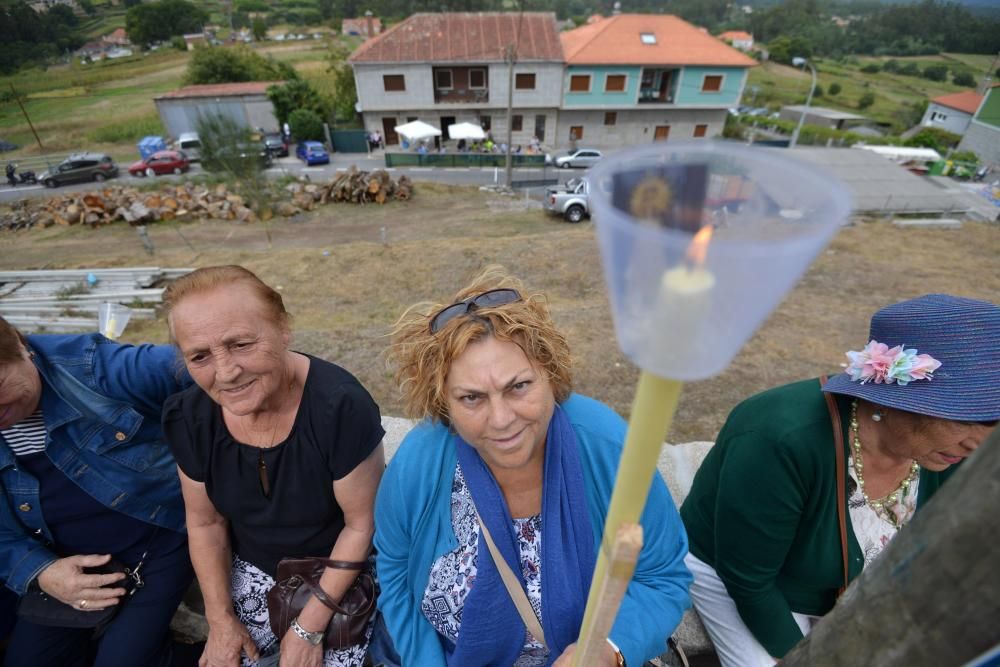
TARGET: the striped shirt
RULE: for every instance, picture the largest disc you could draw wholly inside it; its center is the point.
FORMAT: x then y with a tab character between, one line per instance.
26	436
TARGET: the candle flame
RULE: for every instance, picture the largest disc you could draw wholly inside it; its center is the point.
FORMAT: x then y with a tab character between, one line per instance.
698	249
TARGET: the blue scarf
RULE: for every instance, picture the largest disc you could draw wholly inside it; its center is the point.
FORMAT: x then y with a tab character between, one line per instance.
492	632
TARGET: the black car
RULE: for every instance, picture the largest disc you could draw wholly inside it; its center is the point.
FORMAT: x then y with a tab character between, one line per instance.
80	167
276	144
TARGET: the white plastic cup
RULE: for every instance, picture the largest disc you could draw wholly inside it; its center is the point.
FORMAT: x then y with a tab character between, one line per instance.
769	215
112	319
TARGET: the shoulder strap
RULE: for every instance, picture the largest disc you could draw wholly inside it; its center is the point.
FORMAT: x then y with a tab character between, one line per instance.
838	443
513	587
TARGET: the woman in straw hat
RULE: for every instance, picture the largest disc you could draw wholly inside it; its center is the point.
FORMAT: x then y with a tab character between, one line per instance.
772	540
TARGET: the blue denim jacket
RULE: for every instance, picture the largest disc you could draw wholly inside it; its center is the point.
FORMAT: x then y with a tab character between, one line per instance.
101	404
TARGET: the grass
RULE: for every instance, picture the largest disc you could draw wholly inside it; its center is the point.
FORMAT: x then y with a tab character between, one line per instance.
778	85
344	302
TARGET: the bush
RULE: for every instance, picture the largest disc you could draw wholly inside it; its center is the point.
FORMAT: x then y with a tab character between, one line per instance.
891	66
910	69
965	156
834	89
964	79
934	137
866	100
178	43
306	125
936	73
234	65
871	68
819	91
298	94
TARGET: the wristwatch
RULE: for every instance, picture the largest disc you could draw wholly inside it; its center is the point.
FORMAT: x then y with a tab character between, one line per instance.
314	638
618	654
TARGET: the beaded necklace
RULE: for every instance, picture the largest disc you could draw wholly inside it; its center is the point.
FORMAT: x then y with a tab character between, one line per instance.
882	506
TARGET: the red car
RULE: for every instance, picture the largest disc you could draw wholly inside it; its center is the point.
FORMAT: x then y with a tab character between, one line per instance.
161	162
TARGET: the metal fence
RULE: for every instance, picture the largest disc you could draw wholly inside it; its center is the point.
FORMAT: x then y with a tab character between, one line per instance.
461	160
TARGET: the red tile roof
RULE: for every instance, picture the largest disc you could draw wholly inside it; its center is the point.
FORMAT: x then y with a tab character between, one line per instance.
616	41
463	37
221	90
967	101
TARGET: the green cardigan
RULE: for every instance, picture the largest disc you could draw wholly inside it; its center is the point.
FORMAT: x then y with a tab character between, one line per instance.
763	511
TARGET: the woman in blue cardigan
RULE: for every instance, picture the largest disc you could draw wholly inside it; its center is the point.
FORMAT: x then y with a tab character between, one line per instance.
505	444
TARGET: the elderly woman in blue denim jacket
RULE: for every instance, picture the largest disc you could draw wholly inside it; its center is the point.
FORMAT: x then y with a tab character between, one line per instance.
85	477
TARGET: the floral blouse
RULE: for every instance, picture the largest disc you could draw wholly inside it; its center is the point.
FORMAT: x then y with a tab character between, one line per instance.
453	575
872	529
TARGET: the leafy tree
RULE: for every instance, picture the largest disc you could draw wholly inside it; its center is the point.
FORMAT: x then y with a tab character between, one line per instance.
934	137
910	69
298	94
326	9
936	72
159	20
783	49
345	92
834	88
178	43
259	28
88	7
964	79
227	149
252	6
233	65
306	125
871	68
866	100
891	66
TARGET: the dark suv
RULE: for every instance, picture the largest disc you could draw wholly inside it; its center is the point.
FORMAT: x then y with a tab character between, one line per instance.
80	167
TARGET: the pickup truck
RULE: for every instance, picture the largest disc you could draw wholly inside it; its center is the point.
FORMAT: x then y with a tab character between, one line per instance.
572	201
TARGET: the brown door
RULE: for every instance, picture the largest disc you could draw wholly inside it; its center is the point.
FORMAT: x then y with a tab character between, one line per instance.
662	132
389	131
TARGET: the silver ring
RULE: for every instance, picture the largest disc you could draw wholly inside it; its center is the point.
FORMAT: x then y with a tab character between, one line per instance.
83	604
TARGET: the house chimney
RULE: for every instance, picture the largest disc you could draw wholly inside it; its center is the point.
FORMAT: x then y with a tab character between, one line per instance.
369	24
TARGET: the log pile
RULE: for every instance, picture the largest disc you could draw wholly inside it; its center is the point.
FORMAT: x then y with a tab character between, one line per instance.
192	201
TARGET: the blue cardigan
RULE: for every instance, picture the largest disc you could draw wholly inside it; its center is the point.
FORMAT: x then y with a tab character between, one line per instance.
413	529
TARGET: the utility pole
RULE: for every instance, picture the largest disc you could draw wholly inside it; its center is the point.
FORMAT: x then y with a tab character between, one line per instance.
937	580
24	111
511	58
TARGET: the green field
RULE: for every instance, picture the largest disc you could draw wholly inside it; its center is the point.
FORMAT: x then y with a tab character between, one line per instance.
775	85
108	105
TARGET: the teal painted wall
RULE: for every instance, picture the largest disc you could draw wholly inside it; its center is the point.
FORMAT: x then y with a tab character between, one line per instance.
691	82
597	79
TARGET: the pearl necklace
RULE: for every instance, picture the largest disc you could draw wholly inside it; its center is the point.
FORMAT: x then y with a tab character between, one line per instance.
882	506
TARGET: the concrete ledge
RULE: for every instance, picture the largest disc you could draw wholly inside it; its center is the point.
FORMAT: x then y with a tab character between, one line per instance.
928	223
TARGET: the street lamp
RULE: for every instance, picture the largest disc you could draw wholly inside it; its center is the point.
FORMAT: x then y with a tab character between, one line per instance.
799	62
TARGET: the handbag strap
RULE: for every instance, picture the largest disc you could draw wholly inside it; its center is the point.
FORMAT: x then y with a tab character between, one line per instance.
513	586
838	443
318	591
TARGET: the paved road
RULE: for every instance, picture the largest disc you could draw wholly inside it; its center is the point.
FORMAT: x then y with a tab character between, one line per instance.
339	162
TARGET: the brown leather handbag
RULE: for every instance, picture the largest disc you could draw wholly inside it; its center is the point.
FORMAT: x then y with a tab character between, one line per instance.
298	580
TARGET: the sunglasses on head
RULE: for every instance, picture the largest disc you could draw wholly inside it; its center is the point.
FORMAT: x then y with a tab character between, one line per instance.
490	299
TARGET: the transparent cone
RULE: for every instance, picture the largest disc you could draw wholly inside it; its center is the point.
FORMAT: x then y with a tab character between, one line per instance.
701	241
112	319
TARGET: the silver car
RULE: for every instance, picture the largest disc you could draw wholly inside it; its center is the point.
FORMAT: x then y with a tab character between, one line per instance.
584	157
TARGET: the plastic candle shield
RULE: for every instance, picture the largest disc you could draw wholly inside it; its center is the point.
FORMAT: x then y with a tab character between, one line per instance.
682	311
112	319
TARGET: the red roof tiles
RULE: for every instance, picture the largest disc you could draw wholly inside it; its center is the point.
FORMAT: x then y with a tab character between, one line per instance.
617	41
464	37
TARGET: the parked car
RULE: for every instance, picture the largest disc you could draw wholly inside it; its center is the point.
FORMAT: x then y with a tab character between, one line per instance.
190	143
161	162
584	157
275	142
312	152
572	201
80	167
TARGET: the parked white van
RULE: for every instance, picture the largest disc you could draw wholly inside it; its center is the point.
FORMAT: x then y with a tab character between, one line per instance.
190	144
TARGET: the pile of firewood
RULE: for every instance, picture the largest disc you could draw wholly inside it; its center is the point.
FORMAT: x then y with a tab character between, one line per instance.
190	201
361	187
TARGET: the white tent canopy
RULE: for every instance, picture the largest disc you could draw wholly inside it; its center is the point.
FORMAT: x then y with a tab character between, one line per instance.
417	130
466	131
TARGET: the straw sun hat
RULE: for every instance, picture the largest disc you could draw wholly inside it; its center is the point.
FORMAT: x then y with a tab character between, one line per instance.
936	355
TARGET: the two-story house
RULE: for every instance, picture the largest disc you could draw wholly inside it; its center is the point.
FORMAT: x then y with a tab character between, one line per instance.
953	112
635	78
452	67
983	134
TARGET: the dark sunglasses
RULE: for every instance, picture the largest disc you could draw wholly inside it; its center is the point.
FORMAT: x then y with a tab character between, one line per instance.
491	299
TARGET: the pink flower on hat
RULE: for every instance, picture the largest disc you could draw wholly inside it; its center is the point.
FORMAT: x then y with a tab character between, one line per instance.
880	364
